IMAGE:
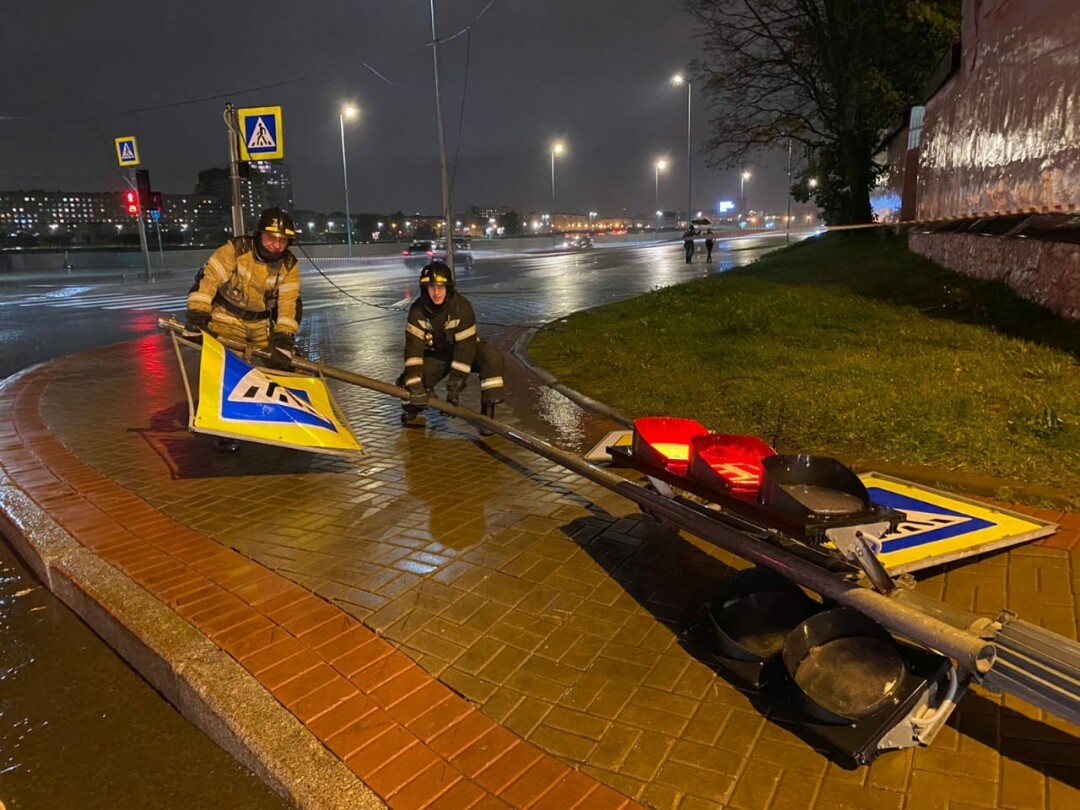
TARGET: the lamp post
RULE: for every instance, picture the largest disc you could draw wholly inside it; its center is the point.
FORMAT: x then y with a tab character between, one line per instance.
678	79
348	111
659	166
556	149
742	192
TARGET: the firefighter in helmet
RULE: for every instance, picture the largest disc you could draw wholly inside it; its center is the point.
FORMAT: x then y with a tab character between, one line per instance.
441	341
249	290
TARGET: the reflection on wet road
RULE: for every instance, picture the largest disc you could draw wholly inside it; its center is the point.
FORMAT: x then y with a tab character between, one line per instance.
78	728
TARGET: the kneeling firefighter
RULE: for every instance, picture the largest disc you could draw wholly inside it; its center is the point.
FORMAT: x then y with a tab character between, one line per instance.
249	290
441	341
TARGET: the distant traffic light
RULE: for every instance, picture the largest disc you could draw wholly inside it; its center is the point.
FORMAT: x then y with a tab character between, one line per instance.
155	201
142	184
131	201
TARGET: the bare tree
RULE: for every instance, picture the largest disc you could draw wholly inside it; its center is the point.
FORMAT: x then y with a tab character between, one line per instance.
832	75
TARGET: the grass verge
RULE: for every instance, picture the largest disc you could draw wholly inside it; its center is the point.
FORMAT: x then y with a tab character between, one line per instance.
848	345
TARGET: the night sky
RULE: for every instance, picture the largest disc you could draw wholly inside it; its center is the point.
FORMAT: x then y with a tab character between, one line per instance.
594	73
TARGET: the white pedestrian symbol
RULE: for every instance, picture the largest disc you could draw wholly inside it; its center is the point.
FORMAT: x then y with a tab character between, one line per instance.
126	152
261	137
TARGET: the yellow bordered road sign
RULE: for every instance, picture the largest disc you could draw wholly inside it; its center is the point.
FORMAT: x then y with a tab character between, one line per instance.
942	527
127	151
616	438
243	402
261	136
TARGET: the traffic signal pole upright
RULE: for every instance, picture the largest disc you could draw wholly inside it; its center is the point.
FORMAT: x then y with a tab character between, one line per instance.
234	170
140	218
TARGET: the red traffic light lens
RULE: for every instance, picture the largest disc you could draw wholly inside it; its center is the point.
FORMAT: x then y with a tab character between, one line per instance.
131	199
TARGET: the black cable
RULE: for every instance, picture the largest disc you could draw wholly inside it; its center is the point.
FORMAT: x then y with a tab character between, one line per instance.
344	292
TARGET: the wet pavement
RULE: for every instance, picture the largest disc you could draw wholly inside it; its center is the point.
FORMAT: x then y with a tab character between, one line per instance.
463	624
69	711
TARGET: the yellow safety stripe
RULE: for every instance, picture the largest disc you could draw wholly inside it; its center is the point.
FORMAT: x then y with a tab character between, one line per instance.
414	361
464	334
464	368
491	382
414	330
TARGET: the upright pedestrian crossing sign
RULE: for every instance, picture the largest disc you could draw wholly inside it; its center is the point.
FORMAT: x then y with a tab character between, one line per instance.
127	151
260	133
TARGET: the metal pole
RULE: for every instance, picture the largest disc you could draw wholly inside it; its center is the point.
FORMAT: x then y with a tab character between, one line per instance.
345	174
140	218
448	226
161	250
787	231
971	652
234	171
551	223
689	161
656	200
742	193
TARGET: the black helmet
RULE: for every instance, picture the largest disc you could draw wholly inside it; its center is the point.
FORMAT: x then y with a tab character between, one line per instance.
277	222
437	273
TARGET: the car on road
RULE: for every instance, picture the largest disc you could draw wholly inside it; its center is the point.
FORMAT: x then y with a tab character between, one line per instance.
418	254
576	241
463	256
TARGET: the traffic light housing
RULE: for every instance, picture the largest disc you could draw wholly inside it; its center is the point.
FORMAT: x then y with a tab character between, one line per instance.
131	202
142	185
155	201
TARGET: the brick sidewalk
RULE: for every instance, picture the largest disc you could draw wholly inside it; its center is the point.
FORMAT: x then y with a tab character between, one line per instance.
465	624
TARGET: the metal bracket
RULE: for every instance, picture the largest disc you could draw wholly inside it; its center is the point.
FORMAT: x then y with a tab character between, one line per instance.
861	545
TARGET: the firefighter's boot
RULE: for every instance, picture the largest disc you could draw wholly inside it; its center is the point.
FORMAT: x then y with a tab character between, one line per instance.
412	416
487	409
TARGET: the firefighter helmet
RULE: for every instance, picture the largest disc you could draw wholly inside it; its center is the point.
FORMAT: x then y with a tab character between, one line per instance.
277	222
437	273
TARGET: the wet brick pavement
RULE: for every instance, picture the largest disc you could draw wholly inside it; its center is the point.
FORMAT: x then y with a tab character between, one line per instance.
466	625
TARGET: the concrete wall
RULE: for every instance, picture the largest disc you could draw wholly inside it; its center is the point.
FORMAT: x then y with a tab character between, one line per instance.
1047	273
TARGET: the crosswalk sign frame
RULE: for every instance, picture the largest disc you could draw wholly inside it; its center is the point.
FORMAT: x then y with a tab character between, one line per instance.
121	142
248	119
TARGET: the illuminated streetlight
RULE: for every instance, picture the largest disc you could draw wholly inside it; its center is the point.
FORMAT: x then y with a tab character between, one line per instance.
348	111
659	166
742	192
556	149
678	79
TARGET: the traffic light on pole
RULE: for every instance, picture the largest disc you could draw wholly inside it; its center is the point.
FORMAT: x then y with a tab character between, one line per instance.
155	201
142	185
131	202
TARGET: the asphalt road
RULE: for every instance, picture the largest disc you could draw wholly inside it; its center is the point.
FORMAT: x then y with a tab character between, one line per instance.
52	315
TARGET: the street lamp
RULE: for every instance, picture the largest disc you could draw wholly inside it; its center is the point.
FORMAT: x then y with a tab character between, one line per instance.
556	149
678	79
659	166
348	111
742	192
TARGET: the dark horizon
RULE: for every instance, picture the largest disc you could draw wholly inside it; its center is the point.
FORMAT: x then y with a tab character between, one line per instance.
596	77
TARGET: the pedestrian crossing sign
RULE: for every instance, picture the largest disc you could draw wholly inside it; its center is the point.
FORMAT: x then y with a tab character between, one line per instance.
260	133
941	527
244	402
127	151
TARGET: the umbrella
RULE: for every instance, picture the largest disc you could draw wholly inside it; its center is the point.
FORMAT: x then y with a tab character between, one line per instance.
701	221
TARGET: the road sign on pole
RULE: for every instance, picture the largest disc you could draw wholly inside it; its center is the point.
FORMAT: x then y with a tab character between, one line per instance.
261	133
127	151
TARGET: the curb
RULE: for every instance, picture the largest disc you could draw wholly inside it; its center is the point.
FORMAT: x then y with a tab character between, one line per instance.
205	684
966	483
521	352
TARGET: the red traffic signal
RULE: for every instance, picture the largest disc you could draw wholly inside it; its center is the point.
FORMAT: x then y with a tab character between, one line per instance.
131	201
155	201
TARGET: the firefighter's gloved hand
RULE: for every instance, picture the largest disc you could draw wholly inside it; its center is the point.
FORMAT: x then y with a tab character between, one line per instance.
453	390
418	396
195	321
281	350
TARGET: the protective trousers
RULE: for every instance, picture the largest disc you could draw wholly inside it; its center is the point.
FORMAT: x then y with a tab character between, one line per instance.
489	363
